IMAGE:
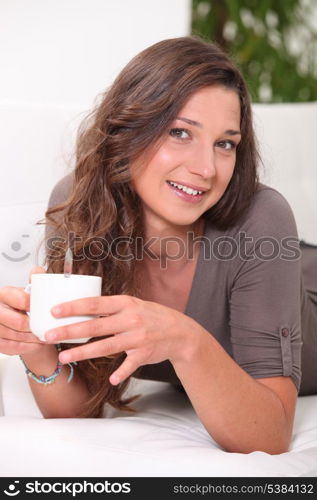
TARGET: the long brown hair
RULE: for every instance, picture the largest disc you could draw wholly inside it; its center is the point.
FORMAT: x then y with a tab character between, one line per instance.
133	114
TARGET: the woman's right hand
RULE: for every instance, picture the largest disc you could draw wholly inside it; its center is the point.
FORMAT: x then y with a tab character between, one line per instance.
15	334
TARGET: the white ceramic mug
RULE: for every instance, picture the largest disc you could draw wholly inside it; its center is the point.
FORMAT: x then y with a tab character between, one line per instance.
47	290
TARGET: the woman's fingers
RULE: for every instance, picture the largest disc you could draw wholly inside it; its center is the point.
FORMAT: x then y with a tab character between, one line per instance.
12	348
127	368
18	300
13	319
110	304
14	297
99	348
107	325
113	345
17	336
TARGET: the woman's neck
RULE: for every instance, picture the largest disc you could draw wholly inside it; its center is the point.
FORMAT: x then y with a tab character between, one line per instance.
172	249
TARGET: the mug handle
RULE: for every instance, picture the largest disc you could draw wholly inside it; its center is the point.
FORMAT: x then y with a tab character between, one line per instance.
27	289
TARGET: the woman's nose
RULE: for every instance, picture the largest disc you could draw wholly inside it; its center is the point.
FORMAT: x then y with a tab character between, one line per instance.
203	162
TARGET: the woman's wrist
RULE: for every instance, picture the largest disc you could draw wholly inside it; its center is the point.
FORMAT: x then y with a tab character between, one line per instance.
42	360
188	344
42	379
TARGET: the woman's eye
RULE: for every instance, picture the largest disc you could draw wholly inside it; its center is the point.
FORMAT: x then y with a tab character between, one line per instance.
180	133
227	145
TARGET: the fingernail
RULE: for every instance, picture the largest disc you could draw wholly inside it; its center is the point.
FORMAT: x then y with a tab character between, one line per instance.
56	310
114	379
64	358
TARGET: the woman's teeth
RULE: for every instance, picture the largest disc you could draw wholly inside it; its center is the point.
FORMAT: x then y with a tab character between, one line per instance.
185	189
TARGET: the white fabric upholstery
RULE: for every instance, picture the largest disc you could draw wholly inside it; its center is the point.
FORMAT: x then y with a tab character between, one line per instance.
36	142
164	438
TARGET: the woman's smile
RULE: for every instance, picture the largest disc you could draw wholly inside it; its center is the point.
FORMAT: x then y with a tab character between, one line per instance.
185	193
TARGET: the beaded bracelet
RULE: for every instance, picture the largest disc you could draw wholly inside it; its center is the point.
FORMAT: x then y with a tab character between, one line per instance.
49	380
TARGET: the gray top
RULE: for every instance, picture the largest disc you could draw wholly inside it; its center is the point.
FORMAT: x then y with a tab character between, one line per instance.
247	289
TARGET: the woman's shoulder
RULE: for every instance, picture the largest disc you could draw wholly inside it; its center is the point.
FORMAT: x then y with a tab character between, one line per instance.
268	197
269	213
61	190
269	210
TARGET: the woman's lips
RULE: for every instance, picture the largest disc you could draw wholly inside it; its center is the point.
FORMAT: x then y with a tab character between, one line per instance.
185	196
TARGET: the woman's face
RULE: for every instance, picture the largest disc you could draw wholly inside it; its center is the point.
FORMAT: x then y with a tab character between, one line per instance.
198	151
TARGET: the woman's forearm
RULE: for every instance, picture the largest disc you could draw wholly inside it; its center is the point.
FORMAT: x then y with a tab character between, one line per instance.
59	399
239	413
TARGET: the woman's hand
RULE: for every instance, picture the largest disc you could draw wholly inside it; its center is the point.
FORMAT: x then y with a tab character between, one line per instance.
15	334
147	331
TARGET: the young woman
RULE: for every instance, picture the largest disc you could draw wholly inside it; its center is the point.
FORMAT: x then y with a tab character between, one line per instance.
201	265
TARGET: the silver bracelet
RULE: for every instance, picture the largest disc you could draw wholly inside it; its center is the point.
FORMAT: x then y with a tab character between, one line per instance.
51	378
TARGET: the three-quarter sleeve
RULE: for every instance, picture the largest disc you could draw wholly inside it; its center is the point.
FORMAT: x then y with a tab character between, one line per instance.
265	299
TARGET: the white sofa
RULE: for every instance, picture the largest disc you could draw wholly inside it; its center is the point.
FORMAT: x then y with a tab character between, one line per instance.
164	438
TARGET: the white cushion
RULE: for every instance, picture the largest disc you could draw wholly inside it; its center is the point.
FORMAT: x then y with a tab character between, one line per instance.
287	137
36	142
164	438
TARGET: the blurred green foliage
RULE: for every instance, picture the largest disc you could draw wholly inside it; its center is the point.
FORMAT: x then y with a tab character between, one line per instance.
274	43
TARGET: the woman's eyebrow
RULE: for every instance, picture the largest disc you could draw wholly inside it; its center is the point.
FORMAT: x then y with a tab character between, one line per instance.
232	132
190	122
200	125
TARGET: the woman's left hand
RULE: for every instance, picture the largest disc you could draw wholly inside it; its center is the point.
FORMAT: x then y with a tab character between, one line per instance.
147	331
